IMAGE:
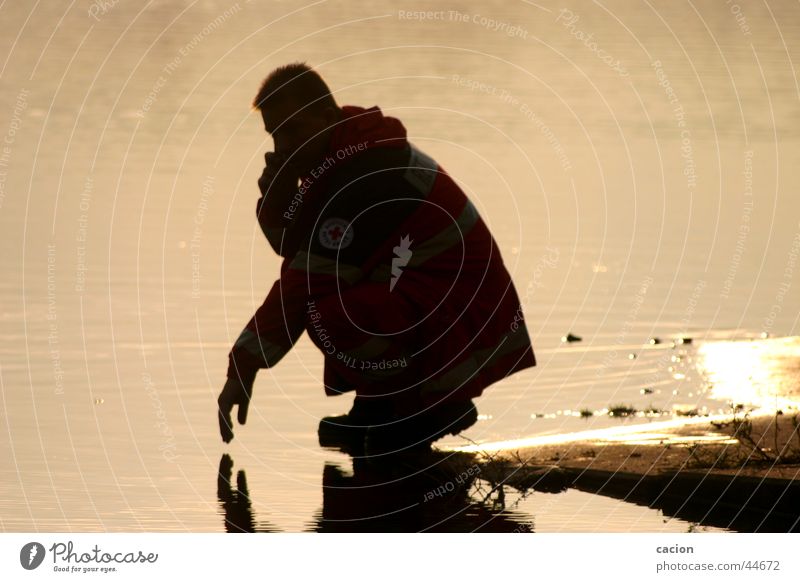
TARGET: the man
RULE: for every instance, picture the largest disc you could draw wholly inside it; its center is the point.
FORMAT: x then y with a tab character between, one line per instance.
387	266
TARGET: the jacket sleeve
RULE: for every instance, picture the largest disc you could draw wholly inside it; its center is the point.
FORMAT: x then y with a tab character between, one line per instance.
273	224
272	331
284	221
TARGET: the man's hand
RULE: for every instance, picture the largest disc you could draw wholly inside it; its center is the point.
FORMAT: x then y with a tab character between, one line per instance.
233	393
279	178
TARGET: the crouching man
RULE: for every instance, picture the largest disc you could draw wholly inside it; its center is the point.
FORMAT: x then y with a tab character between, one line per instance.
387	266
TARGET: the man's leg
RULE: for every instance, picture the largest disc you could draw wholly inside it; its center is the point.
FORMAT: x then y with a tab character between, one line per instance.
367	334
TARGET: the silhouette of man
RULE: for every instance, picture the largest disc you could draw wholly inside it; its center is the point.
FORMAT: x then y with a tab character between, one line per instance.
387	266
441	496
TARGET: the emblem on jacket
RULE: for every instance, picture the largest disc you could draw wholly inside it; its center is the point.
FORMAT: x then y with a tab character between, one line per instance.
335	234
402	254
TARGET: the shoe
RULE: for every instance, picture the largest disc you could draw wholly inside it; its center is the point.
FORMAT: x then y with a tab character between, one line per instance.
416	434
456	418
347	432
340	432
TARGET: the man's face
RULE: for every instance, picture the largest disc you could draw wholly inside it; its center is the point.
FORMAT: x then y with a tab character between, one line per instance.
302	135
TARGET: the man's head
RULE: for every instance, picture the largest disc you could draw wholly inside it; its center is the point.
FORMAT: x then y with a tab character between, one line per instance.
299	112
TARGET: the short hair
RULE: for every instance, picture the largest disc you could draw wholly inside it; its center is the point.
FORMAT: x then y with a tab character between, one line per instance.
295	83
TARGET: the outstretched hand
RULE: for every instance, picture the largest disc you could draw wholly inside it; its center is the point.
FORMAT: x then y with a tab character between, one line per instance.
233	393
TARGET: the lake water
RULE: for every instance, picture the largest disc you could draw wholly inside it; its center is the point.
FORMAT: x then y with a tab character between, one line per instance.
637	165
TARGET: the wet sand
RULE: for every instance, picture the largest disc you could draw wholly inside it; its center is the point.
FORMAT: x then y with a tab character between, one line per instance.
716	451
698	472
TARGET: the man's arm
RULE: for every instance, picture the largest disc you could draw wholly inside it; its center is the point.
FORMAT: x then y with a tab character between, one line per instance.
280	202
267	337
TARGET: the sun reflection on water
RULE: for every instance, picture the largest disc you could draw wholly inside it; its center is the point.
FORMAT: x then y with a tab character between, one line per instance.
652	433
762	374
756	376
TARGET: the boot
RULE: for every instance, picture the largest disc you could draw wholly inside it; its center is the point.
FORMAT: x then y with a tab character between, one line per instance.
415	434
346	432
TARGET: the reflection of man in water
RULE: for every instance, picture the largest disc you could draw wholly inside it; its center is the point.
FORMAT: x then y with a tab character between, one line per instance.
384	497
387	266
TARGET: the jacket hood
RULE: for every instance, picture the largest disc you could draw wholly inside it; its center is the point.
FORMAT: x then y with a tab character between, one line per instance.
366	128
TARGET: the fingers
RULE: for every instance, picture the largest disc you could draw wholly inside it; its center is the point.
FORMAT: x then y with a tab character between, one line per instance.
274	158
224	415
279	174
279	163
241	484
267	178
233	394
224	478
244	405
226	466
264	181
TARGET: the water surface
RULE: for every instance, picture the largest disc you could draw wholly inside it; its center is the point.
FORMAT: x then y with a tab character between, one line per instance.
649	197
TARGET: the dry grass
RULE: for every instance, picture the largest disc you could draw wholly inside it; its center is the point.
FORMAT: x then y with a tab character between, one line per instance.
765	443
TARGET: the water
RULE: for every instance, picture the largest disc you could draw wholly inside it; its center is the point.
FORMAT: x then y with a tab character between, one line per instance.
647	197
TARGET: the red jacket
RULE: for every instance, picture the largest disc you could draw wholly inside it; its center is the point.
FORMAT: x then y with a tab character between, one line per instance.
392	272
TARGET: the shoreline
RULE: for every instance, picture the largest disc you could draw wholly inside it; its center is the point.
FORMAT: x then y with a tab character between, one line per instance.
712	473
710	446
